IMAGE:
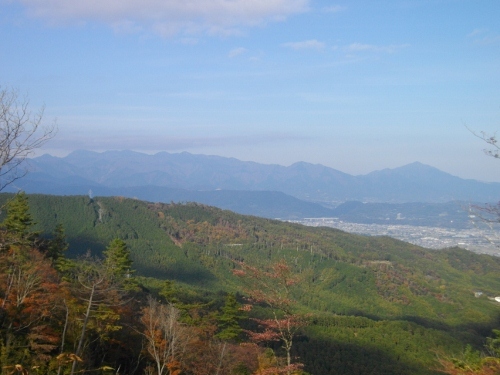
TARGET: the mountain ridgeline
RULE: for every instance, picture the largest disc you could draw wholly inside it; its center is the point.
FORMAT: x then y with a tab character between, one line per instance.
127	173
377	305
415	194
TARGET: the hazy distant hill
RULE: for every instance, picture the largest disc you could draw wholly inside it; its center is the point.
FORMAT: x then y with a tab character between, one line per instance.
269	204
417	182
273	191
117	169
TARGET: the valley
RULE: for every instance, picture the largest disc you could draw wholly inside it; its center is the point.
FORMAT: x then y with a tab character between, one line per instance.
479	240
373	293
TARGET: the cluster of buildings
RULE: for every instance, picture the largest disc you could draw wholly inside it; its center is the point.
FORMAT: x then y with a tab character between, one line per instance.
480	240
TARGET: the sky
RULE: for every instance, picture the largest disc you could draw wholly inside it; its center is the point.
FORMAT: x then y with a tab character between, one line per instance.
353	85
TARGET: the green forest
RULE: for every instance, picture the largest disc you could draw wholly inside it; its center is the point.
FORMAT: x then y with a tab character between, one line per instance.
116	285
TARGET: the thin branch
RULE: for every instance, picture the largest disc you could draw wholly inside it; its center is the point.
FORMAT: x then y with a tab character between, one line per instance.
21	133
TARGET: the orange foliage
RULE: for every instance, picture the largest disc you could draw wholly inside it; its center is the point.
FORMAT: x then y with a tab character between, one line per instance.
31	294
272	287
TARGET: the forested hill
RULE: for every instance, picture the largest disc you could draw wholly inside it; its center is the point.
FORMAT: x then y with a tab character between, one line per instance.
377	305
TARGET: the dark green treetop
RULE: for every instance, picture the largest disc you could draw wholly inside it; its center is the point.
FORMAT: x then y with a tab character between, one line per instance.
56	249
229	319
19	221
117	259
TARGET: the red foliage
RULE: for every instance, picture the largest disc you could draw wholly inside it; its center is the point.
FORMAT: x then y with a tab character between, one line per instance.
30	296
272	287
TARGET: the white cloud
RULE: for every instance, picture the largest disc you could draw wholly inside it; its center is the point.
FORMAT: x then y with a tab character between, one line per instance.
360	47
307	44
167	17
236	52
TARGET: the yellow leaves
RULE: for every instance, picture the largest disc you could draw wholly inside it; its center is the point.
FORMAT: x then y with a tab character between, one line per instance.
68	358
267	360
19	369
106	368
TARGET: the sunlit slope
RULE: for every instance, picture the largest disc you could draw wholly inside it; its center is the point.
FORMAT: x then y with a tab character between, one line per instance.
378	304
343	273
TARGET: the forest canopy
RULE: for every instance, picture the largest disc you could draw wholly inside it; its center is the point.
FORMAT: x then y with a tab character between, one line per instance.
114	284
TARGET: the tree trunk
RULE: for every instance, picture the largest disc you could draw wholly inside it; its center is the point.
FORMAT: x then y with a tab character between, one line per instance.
84	328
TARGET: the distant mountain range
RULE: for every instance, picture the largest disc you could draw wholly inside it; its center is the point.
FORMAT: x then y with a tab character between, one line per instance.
299	190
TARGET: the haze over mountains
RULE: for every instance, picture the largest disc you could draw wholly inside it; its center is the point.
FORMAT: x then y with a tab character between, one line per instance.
299	190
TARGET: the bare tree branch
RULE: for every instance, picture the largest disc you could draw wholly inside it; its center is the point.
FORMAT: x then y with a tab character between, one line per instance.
488	215
21	133
490	139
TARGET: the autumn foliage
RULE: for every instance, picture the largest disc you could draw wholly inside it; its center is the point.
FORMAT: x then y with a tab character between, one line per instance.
61	316
273	288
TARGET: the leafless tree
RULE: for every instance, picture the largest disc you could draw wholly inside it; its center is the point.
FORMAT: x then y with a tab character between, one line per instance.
21	133
493	149
99	293
487	216
166	338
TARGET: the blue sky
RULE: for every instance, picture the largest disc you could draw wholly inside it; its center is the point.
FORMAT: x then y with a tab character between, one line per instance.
357	86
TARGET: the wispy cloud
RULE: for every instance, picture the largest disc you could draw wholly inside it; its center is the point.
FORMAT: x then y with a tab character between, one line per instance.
98	142
167	17
236	52
476	32
360	47
307	44
484	37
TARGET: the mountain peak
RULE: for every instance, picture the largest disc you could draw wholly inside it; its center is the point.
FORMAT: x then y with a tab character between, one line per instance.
415	168
418	165
414	182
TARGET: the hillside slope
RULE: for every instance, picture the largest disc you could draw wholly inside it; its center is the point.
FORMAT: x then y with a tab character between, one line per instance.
385	304
168	238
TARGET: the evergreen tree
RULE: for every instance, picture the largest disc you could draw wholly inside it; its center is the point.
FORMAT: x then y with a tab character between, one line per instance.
493	344
168	292
117	260
57	246
18	220
229	318
17	224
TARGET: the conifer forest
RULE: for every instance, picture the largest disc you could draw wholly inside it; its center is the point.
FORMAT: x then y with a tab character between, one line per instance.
116	285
